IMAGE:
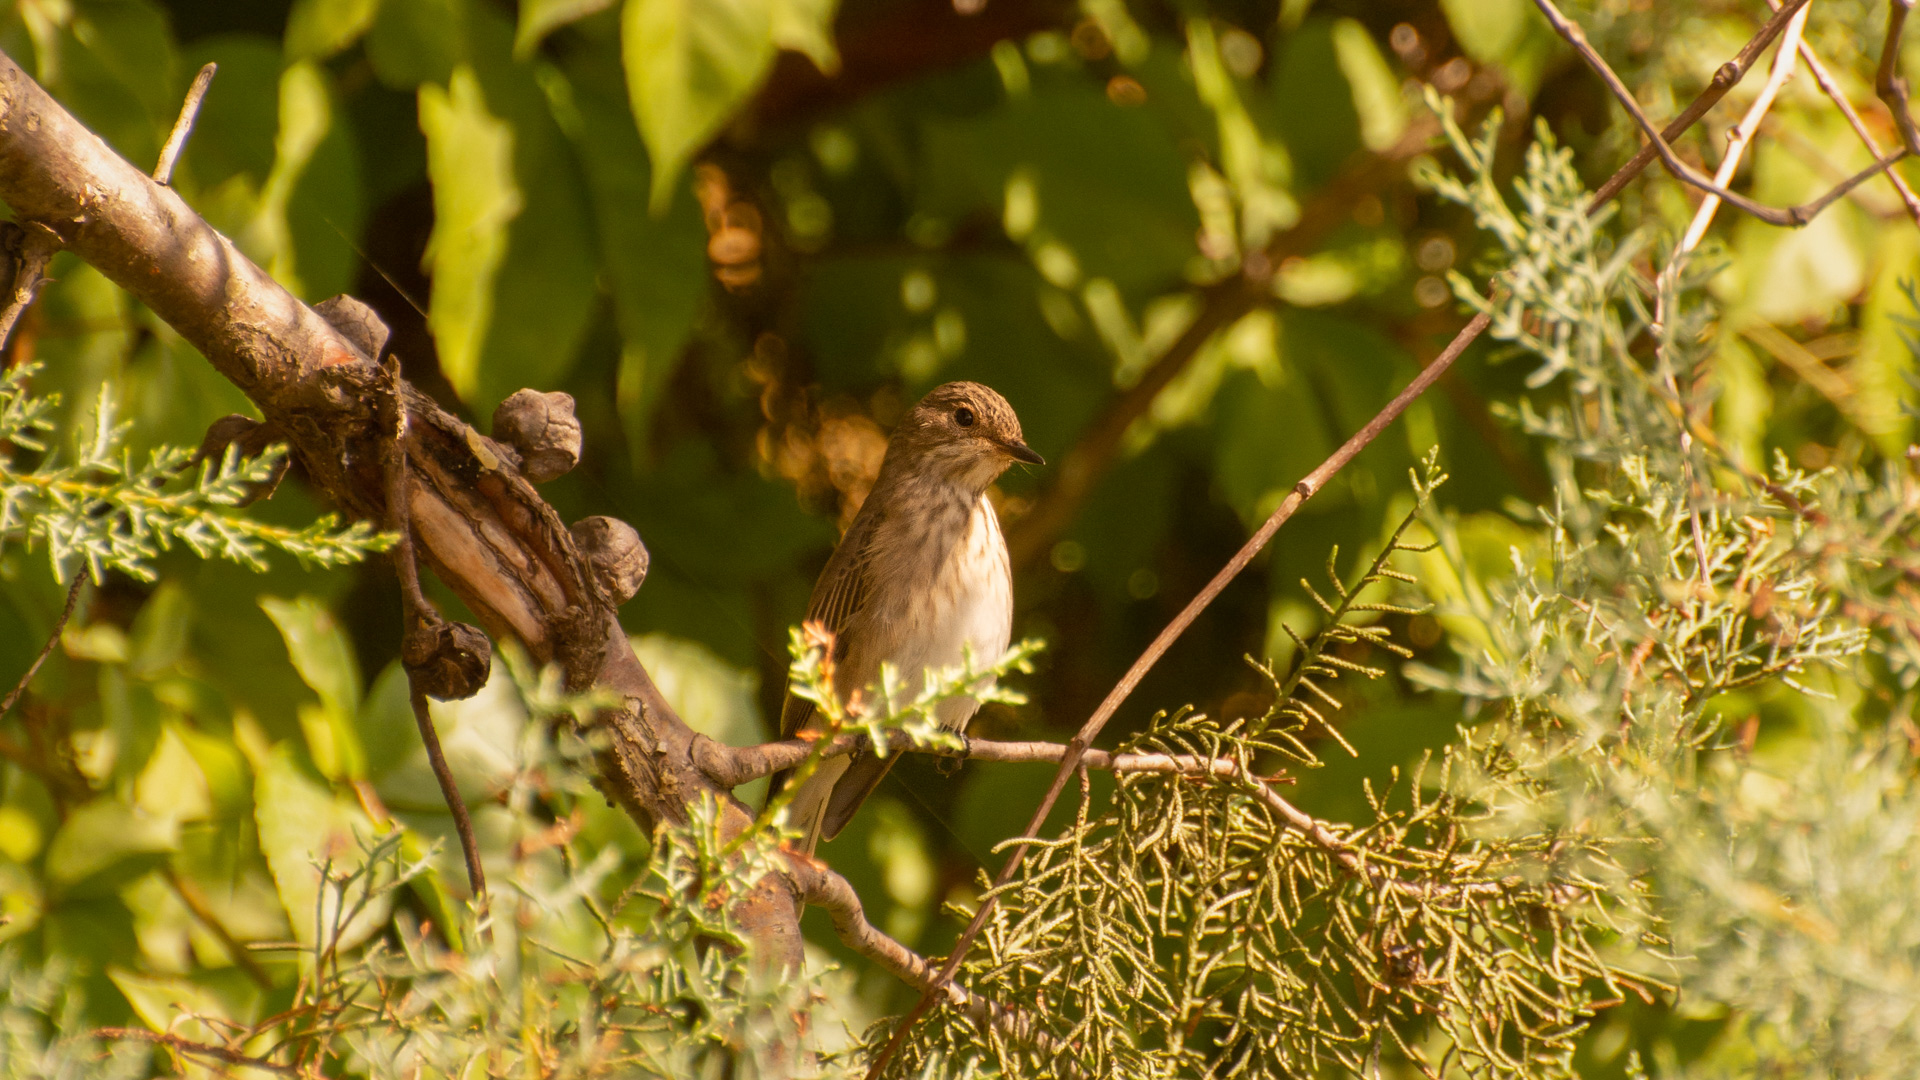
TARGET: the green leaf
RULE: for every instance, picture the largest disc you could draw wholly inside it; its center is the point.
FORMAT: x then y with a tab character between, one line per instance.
106	843
307	124
319	650
1488	30
1376	92
303	827
418	41
712	696
538	18
655	266
475	197
806	26
689	66
322	655
173	785
316	29
159	639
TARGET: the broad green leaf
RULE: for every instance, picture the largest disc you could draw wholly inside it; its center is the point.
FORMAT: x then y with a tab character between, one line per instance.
475	197
417	41
655	266
21	900
105	843
319	649
20	834
1488	30
238	119
316	29
193	1010
302	827
159	639
313	165
322	655
1376	91
431	889
806	26
538	18
712	696
114	64
385	722
173	784
689	66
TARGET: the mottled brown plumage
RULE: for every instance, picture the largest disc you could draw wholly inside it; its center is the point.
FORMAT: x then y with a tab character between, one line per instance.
921	572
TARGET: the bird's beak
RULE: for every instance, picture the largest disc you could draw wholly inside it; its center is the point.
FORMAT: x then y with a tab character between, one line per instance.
1020	451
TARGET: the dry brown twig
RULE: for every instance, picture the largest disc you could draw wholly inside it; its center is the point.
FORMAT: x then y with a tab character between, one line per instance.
1772	215
1724	79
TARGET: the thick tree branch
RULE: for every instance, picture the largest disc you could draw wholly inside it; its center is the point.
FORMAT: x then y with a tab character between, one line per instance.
475	520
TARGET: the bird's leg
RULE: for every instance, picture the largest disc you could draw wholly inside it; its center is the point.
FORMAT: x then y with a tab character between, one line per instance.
948	764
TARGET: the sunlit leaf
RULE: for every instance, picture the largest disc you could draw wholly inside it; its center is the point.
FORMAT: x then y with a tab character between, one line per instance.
303	829
538	18
316	29
470	160
107	842
689	66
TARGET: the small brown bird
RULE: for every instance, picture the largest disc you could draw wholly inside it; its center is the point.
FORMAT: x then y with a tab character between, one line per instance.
921	573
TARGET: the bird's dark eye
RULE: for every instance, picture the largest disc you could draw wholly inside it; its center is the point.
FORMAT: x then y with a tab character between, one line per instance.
963	416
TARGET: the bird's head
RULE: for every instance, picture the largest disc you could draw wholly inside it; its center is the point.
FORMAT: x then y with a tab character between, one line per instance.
965	433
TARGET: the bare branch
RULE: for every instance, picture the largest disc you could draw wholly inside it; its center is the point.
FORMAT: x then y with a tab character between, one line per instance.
1830	87
189	1048
475	520
1889	83
183	127
821	887
1725	78
1790	215
29	247
53	638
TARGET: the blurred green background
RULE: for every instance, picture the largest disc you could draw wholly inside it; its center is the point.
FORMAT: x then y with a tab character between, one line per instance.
746	236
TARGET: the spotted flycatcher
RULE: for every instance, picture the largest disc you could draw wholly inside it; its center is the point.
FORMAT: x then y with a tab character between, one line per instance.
921	575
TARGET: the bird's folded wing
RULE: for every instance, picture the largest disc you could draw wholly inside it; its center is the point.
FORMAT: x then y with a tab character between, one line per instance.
837	598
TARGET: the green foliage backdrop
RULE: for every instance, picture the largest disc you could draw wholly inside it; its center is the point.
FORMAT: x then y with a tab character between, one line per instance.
746	235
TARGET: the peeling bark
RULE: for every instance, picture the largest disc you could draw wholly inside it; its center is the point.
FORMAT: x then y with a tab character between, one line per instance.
477	522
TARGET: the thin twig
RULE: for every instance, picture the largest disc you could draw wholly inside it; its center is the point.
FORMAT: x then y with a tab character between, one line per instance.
1790	215
1077	748
60	624
417	616
1222	304
1724	79
196	901
183	127
1728	75
32	247
1737	142
1889	84
1831	87
188	1046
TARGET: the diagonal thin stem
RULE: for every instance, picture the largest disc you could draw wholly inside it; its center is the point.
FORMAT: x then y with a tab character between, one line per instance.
73	595
416	614
183	127
1772	215
1831	87
1724	79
